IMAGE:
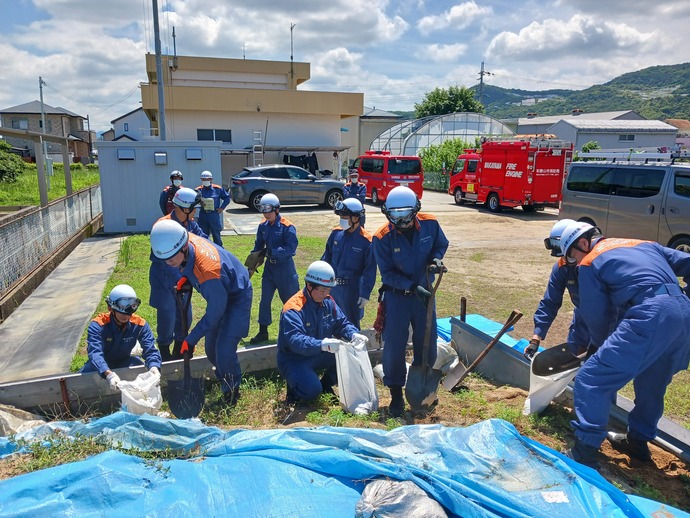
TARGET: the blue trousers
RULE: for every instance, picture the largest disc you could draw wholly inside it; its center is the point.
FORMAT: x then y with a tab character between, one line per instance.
300	372
346	297
211	223
277	276
649	346
221	342
163	280
132	361
401	311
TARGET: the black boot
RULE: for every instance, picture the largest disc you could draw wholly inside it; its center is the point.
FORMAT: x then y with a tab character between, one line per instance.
635	448
261	336
290	397
165	352
327	384
584	454
232	397
397	405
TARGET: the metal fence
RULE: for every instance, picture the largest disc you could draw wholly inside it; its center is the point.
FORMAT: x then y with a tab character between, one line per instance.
27	241
436	181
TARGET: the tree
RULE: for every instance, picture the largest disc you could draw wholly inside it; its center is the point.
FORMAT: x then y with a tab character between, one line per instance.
11	166
441	101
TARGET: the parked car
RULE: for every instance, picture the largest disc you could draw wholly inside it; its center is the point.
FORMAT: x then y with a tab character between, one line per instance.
293	186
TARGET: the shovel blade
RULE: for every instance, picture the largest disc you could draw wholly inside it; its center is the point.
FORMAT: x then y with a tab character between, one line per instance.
555	360
422	386
186	397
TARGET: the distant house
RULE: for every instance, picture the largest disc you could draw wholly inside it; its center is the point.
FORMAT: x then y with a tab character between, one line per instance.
616	134
361	131
535	125
132	126
59	121
683	135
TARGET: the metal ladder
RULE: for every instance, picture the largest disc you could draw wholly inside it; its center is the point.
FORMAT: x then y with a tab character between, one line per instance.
258	148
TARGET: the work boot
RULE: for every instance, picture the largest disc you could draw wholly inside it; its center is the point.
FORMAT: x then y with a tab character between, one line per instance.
165	352
397	405
261	336
584	454
634	448
327	384
291	398
232	397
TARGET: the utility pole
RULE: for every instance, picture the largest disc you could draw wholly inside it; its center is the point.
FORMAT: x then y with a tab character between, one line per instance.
44	129
482	73
88	128
159	73
292	69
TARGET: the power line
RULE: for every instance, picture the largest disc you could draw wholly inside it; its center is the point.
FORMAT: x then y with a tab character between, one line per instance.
90	105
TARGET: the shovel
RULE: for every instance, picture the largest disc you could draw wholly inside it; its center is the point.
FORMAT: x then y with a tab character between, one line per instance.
422	380
185	396
459	372
555	360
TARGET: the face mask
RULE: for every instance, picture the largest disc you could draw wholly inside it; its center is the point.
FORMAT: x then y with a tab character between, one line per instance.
206	183
344	223
354	180
177	183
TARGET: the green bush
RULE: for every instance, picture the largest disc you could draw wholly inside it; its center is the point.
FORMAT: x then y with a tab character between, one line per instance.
442	157
11	166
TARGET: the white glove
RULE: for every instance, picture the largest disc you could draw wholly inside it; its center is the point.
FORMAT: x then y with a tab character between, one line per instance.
155	371
361	302
330	345
112	379
359	342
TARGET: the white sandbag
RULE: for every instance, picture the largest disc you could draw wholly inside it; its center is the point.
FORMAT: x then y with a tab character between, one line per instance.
384	498
14	420
143	395
544	389
446	356
356	386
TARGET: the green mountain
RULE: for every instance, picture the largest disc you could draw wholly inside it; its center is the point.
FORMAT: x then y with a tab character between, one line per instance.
659	92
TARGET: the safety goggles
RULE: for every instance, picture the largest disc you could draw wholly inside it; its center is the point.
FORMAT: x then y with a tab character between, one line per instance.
265	207
126	305
555	249
401	216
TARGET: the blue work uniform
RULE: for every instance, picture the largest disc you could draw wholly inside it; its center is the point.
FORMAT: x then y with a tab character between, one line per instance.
109	346
356	190
352	257
211	221
563	277
639	320
163	280
224	284
304	323
165	201
403	259
280	241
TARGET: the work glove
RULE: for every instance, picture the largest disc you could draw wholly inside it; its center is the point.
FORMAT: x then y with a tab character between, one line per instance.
359	342
437	266
361	302
113	379
422	293
155	371
186	347
183	285
532	348
330	345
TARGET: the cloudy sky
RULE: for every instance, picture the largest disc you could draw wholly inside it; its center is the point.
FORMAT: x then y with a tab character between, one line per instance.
91	53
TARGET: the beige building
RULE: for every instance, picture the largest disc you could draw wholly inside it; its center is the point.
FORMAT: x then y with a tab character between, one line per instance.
254	108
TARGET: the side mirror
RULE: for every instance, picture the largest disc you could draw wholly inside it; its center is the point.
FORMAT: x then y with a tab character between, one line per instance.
311	177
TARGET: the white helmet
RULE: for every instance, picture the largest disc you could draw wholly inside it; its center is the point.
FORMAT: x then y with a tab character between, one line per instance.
186	198
553	242
320	272
167	238
269	202
123	299
572	233
349	207
401	206
206	175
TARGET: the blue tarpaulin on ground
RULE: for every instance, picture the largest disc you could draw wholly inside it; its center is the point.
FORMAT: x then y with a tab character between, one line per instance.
487	469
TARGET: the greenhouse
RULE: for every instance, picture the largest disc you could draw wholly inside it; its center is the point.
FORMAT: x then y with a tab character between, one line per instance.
410	137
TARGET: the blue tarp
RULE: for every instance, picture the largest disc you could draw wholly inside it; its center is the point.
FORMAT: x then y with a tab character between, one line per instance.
483	324
487	469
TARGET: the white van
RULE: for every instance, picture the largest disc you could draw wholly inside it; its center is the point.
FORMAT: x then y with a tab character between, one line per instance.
636	198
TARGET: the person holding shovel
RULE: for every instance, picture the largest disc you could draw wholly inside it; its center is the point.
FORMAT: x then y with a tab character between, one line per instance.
311	328
633	284
224	283
112	336
164	278
278	237
349	251
563	277
405	248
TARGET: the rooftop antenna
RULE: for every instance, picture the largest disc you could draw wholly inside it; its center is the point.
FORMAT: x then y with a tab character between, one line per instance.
292	69
174	62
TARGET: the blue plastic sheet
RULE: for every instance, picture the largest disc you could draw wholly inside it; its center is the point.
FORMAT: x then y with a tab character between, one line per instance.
487	469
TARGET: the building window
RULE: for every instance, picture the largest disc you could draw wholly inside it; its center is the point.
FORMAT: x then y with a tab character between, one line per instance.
214	134
20	124
126	126
626	138
49	125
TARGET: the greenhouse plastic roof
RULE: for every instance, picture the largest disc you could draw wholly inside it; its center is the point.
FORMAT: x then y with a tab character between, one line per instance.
487	469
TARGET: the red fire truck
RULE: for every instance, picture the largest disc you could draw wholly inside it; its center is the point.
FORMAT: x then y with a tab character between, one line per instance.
522	172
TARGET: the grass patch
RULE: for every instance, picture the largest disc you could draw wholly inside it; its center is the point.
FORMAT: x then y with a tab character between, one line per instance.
25	190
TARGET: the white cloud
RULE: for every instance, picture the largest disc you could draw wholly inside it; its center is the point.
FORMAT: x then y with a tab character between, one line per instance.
442	53
458	17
